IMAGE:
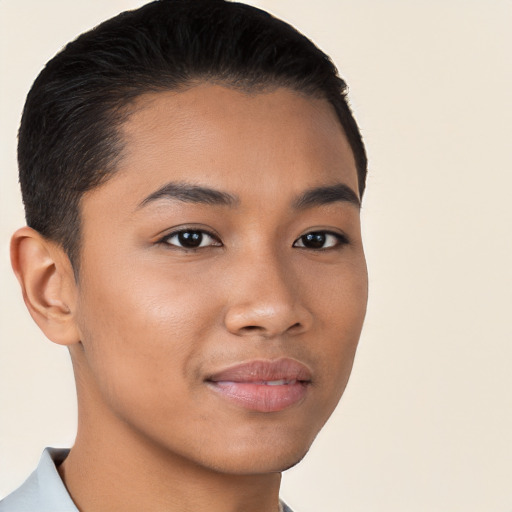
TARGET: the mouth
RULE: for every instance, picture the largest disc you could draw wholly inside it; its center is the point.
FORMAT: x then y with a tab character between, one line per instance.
263	386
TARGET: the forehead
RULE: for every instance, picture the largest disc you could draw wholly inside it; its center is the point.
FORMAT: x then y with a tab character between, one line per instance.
263	144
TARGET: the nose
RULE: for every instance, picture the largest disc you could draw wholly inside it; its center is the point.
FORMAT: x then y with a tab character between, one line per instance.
266	300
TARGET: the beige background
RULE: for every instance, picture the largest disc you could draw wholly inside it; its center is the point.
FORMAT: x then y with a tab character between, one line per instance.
426	423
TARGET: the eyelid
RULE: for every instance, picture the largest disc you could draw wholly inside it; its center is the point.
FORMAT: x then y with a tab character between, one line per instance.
341	238
181	229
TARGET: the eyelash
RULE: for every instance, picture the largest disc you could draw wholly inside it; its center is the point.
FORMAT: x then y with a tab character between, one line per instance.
167	238
339	239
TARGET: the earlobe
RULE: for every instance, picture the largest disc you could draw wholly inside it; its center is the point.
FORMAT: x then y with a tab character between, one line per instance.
48	285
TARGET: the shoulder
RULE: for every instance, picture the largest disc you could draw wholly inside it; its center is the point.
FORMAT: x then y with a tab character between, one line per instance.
43	491
284	507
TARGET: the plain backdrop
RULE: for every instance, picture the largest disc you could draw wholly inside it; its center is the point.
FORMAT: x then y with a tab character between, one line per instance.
426	421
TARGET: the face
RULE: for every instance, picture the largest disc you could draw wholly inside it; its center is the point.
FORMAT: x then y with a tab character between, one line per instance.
223	282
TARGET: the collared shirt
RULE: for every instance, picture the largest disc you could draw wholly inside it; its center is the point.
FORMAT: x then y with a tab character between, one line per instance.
44	491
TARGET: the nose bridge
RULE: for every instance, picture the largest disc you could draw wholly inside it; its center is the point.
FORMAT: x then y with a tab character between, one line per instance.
266	300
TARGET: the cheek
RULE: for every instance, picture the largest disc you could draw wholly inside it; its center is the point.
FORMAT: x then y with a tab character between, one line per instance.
141	332
339	296
141	305
340	303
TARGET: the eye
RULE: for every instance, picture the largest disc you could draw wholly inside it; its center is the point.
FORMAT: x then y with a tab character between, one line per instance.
191	239
319	240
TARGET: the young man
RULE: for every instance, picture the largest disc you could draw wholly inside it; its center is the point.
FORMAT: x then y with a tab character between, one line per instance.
192	176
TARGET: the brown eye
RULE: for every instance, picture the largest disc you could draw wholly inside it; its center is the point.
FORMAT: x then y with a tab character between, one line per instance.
320	240
191	239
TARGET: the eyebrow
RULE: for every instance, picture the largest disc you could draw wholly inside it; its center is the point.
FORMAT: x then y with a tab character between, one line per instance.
197	194
189	193
320	196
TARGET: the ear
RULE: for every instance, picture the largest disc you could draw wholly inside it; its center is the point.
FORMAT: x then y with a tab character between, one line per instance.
48	284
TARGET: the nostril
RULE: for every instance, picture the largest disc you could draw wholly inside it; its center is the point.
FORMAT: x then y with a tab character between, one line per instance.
267	319
295	327
251	328
258	328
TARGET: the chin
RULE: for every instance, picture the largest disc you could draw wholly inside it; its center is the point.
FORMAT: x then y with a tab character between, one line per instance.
260	446
258	467
259	459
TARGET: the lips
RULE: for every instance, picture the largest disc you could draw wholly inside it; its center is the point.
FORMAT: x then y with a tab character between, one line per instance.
263	386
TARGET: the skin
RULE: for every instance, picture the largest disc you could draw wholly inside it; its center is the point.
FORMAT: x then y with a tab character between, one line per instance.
149	321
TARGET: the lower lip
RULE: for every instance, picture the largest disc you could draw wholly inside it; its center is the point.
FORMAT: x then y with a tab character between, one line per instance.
261	397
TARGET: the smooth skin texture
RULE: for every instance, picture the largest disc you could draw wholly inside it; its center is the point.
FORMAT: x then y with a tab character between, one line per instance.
149	320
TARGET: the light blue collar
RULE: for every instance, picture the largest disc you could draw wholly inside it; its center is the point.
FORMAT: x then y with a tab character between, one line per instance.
43	491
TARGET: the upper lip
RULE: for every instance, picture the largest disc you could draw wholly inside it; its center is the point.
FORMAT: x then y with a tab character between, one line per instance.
263	370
